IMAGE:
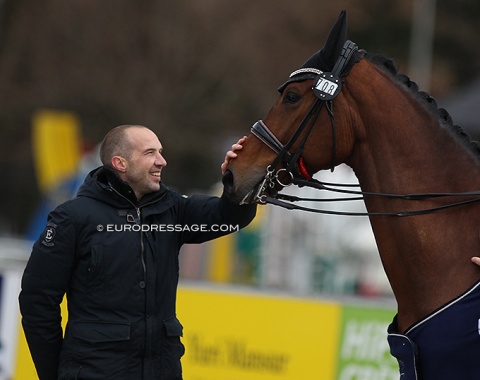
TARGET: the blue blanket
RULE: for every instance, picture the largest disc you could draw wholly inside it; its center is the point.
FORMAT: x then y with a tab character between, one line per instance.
445	345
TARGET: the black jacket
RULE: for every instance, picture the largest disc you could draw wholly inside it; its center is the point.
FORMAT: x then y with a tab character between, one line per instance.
116	259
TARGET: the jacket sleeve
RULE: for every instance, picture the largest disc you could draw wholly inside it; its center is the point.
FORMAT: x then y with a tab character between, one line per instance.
44	283
204	217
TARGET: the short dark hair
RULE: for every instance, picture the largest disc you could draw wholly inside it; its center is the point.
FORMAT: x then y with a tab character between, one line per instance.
115	143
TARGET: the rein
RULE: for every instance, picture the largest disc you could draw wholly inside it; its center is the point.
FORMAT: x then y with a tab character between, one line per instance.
326	87
283	200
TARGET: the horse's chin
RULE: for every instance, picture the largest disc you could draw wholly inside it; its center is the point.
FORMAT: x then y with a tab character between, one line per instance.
246	194
258	194
248	199
251	196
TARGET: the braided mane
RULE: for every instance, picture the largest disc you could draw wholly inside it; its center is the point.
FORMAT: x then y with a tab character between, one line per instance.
441	114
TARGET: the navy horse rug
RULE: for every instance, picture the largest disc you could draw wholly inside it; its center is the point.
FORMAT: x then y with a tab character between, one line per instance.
445	344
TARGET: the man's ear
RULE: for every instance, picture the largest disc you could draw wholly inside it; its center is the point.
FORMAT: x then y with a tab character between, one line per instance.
119	164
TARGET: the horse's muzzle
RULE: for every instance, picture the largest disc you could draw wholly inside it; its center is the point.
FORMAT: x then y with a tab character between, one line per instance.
228	181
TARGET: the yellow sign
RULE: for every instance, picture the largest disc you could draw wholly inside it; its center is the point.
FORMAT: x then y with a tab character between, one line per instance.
56	147
244	336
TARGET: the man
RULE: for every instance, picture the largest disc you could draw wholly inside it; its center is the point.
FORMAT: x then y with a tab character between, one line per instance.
113	250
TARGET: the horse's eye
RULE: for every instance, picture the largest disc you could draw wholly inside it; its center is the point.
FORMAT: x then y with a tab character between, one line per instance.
291	97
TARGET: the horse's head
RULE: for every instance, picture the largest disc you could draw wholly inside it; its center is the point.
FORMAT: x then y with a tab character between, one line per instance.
278	145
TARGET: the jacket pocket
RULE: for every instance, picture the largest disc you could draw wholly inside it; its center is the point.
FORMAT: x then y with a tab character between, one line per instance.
173	326
95	265
100	348
173	349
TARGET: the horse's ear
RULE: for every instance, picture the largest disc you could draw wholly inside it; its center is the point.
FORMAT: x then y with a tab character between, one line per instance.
325	58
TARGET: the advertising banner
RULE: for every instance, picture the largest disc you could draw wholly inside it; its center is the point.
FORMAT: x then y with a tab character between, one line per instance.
364	353
250	336
238	336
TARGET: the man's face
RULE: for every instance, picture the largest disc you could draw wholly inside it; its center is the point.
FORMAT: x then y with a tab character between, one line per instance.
145	164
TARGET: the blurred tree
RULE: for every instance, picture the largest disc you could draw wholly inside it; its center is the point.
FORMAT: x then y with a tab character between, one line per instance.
197	72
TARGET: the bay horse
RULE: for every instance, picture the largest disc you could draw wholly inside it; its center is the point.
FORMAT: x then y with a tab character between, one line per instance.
419	176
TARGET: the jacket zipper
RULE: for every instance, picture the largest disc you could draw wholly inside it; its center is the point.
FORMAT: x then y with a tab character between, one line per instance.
78	373
142	244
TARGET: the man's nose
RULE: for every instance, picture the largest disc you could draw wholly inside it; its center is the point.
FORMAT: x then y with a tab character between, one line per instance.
160	160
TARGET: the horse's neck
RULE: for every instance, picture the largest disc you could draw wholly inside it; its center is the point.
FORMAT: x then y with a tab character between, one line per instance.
406	151
403	148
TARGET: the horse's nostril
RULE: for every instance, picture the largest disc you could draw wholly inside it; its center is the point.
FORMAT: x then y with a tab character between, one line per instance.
227	180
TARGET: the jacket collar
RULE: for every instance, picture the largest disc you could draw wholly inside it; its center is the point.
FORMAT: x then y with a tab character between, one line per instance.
108	178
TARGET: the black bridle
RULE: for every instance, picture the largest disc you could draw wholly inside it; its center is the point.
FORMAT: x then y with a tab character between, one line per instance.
326	87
